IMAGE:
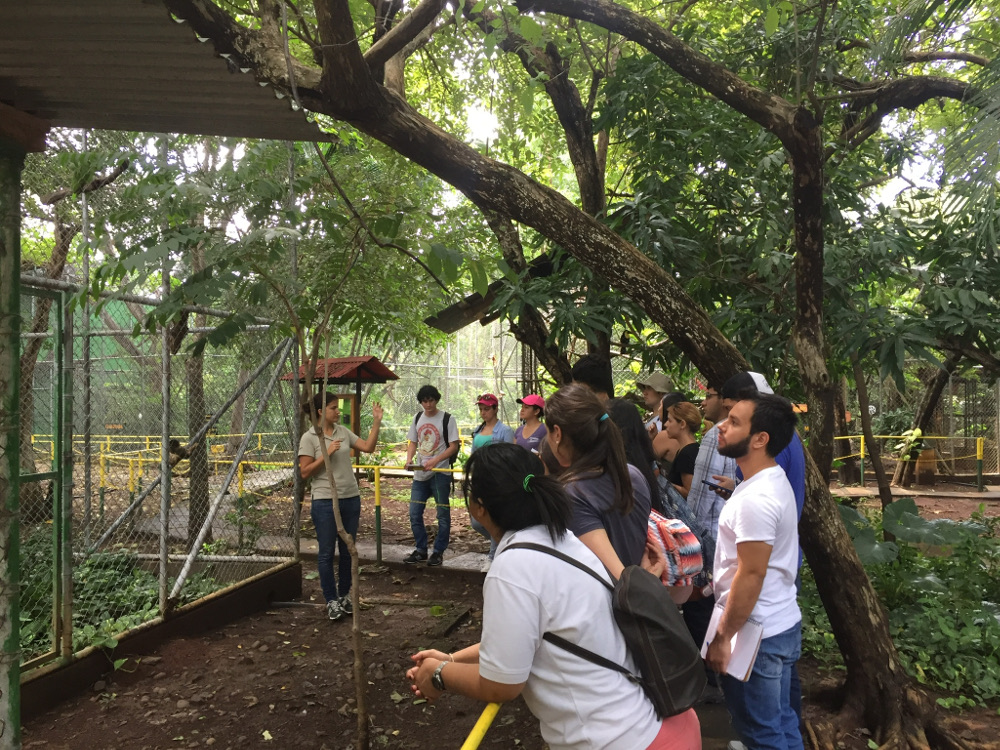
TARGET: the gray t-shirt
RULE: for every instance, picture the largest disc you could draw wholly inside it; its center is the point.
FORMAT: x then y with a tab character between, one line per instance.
592	498
426	432
347	485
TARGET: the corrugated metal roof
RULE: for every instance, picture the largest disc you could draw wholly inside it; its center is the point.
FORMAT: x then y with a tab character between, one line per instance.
128	65
347	370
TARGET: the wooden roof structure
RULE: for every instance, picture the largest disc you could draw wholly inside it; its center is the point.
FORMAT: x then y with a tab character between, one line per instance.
346	371
130	65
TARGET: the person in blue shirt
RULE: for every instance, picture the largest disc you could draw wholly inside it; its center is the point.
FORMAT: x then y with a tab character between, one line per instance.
491	430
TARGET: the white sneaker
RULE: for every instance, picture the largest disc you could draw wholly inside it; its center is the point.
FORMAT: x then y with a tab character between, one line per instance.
485	568
333	610
736	745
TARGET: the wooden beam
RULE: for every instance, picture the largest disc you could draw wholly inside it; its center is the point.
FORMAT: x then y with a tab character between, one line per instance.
24	130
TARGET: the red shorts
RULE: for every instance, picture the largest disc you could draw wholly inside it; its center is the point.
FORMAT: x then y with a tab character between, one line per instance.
680	732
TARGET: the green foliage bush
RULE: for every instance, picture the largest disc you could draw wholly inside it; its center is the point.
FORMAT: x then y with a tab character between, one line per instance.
940	583
111	594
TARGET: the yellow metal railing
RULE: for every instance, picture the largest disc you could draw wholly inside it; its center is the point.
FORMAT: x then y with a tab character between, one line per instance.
478	732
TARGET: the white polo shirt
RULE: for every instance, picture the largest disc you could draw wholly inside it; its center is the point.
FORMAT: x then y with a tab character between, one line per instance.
580	705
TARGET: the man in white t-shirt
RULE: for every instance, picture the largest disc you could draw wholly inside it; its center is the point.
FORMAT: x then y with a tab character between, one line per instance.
653	389
756	561
433	439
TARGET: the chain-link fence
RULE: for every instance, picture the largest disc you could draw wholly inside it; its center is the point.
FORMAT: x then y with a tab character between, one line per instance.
108	539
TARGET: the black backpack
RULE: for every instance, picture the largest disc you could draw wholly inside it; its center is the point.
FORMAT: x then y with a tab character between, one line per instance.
670	667
444	429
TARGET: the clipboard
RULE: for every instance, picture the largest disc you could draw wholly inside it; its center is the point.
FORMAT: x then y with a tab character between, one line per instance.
745	644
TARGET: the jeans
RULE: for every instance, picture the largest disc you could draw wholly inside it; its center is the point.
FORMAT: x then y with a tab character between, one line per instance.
761	708
327	537
438	487
482	530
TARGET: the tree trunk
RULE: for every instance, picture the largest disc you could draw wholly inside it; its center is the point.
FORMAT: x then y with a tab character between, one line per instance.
875	452
849	472
530	329
198	493
925	413
236	420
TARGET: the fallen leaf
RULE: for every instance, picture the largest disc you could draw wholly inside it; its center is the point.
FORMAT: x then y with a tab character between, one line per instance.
267	735
418	701
397	698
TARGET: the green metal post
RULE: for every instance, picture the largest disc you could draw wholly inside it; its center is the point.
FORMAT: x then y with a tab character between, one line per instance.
58	522
64	501
11	161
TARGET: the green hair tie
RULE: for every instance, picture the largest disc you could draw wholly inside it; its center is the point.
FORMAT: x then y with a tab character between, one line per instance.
528	478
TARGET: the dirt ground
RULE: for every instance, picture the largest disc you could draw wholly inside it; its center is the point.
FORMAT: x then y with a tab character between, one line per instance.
283	677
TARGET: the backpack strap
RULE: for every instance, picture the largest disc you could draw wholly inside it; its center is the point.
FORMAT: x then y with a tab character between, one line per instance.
587	655
561	642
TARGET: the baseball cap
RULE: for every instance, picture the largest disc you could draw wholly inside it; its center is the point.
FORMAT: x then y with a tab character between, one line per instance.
488	399
657	381
532	399
742	381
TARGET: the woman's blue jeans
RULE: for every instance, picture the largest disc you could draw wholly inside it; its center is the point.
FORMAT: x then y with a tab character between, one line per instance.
761	707
327	537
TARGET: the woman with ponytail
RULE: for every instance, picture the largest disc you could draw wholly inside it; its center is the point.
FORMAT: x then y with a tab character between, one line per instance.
611	501
528	593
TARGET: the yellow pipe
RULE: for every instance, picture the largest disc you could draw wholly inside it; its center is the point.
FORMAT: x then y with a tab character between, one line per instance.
378	486
979	448
103	464
239	478
862	446
131	475
478	732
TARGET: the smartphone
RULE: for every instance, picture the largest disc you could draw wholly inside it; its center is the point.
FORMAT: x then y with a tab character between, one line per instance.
717	486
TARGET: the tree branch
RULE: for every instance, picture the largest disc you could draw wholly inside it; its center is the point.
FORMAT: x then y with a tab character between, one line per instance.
403	33
903	93
249	48
573	116
771	112
95	184
371	235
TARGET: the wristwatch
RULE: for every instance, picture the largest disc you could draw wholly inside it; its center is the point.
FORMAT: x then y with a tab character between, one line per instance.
436	680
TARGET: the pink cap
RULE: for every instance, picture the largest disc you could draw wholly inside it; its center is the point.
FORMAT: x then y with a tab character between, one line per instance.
488	399
532	400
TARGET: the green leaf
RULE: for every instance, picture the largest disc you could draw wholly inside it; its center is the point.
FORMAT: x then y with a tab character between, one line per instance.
531	30
480	281
526	98
771	21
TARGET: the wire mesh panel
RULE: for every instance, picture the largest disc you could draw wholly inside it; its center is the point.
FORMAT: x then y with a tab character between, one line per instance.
41	486
135	541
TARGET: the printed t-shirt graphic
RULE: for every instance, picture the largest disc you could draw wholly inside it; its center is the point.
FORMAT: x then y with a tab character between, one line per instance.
428	440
